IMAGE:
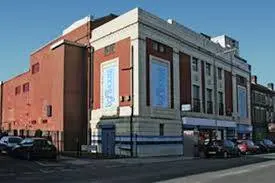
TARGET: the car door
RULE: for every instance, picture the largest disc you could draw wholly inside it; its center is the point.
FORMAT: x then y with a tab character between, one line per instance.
37	148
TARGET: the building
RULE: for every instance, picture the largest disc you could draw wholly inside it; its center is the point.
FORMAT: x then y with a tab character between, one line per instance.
262	101
53	94
154	81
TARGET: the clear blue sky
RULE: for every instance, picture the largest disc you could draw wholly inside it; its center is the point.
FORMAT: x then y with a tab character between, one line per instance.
26	25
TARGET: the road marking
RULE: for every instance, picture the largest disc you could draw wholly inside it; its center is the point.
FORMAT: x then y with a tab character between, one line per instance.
48	164
46	171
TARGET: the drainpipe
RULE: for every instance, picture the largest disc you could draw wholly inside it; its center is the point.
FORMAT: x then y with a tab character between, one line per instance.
132	105
1	104
90	52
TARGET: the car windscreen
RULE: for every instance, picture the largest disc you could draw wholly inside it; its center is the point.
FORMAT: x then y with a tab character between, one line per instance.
229	143
14	140
250	143
26	141
268	142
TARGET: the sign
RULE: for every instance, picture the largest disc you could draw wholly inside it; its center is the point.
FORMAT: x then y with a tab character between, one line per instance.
89	148
186	107
109	86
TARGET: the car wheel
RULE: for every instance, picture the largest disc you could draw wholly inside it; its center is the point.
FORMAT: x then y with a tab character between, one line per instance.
225	154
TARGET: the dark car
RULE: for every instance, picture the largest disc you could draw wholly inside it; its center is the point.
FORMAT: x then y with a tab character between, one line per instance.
266	146
33	148
248	147
8	142
221	148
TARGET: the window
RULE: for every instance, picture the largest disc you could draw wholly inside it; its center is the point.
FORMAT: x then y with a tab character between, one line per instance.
26	87
219	73
158	47
35	68
221	106
195	64
161	129
196	92
242	102
155	46
109	49
17	90
49	110
208	69
209	101
196	98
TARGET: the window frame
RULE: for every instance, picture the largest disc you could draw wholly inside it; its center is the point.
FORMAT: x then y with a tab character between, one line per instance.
195	64
208	69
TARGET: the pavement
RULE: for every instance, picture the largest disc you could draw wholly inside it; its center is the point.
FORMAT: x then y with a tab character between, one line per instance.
133	170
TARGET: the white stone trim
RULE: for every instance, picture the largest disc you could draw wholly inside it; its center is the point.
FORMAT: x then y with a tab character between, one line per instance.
77	24
63	41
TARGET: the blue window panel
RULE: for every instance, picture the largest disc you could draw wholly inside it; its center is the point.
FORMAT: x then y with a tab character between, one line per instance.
159	85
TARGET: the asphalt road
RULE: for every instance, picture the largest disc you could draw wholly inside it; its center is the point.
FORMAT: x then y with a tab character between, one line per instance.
14	170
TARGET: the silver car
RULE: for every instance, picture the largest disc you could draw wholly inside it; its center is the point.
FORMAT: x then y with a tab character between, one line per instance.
8	142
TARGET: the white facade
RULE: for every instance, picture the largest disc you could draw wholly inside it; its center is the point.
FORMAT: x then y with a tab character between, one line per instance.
139	25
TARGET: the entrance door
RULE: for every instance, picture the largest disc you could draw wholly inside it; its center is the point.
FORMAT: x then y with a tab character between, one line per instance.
108	140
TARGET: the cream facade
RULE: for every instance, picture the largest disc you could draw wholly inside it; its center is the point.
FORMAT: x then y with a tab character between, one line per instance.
158	127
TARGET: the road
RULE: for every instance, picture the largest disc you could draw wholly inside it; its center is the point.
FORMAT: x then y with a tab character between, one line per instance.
13	170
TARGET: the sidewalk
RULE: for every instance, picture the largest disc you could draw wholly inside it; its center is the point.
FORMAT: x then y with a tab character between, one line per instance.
125	161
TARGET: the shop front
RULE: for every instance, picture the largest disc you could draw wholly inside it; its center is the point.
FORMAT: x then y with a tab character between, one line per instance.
210	128
244	131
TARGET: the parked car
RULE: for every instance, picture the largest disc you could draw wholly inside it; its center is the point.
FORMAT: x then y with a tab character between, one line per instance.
33	148
266	146
222	148
248	147
8	142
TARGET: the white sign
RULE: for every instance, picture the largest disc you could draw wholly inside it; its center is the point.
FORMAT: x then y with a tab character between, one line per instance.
186	107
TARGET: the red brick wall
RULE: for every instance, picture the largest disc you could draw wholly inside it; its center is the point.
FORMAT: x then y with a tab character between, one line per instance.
167	55
228	92
185	79
16	109
123	53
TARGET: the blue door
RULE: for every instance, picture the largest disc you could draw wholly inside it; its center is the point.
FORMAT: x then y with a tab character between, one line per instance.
108	140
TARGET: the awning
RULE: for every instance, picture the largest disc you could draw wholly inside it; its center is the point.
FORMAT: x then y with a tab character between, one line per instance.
207	123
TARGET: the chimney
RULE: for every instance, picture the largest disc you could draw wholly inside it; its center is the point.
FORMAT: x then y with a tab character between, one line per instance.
270	86
254	79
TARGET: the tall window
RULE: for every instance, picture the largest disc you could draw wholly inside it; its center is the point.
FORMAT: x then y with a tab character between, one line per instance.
17	90
242	102
195	64
209	101
35	68
208	69
26	87
220	100
219	73
196	98
159	83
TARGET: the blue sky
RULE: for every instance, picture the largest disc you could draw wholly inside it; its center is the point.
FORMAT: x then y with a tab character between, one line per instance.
27	25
